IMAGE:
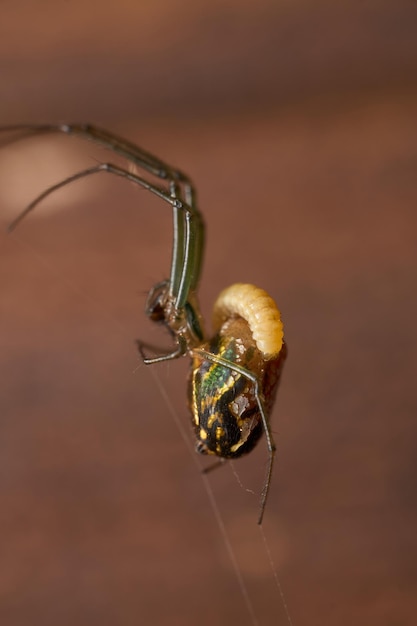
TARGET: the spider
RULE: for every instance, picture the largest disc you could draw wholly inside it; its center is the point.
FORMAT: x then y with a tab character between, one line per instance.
234	375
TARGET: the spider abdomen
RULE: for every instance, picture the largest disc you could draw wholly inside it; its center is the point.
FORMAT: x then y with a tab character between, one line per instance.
223	400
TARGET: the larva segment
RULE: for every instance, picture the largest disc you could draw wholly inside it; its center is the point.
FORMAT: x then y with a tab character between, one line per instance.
260	312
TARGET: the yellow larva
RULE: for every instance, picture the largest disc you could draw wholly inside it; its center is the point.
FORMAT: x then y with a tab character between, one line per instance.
259	310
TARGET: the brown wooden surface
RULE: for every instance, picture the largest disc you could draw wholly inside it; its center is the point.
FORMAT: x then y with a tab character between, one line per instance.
298	124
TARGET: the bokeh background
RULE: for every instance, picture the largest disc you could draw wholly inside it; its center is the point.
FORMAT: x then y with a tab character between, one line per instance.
297	122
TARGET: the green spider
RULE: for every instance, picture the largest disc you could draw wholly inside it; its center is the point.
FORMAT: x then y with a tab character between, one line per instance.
234	375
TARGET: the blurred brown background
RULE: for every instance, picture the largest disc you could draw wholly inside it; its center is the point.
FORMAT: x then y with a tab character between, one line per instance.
297	122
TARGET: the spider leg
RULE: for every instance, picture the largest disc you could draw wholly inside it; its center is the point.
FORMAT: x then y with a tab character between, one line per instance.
112	142
188	241
124	148
186	238
188	226
265	422
213	466
101	167
180	350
